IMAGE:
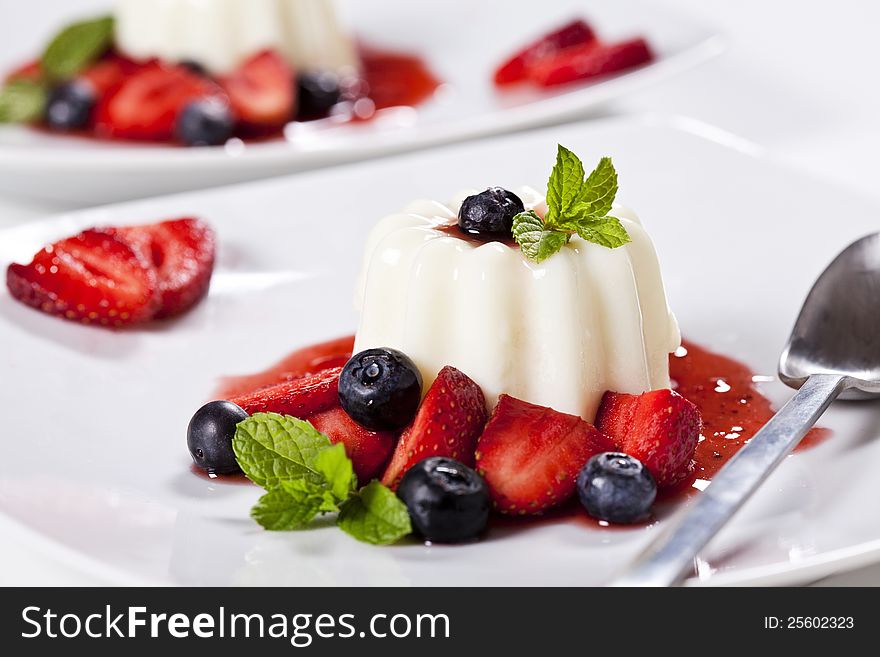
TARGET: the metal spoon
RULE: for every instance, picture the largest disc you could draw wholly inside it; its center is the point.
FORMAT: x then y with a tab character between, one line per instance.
833	351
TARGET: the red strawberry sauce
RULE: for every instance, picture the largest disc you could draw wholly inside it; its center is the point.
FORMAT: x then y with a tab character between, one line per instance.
728	396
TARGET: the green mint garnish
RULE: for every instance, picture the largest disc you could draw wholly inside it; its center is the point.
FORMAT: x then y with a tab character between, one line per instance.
72	50
77	46
22	101
575	206
272	448
537	241
304	476
375	516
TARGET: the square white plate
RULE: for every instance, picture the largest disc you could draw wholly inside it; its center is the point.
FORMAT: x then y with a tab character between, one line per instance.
461	40
95	466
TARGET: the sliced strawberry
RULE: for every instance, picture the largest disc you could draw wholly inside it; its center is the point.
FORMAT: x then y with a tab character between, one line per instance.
575	33
262	92
660	428
93	278
147	103
300	398
530	455
448	423
333	353
182	251
590	61
30	71
368	450
108	73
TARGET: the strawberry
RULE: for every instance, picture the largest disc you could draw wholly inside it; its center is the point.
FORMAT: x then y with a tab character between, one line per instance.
530	455
147	103
368	450
182	251
300	397
448	423
30	71
108	73
660	428
515	69
262	91
93	278
589	61
333	353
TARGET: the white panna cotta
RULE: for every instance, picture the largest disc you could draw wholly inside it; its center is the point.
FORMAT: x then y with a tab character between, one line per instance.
221	34
559	333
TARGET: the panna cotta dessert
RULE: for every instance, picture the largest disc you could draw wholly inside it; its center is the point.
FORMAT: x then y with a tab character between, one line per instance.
204	72
221	34
557	333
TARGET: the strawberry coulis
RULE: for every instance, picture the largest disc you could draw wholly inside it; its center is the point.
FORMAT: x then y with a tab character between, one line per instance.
726	391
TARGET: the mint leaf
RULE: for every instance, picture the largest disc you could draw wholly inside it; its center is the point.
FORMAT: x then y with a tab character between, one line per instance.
574	206
338	471
607	232
302	490
375	516
77	46
22	101
564	188
536	241
272	448
598	192
278	510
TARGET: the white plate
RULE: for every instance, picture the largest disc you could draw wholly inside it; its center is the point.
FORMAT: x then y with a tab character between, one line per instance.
461	40
94	461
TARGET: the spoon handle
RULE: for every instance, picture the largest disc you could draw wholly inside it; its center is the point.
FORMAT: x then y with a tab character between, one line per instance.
670	558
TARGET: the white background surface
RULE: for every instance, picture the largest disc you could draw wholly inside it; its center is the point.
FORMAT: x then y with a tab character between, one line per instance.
797	78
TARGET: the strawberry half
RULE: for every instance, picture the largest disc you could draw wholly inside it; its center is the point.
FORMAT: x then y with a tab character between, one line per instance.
333	353
30	71
262	92
108	73
515	69
145	106
300	398
530	455
368	450
448	423
182	252
590	61
93	278
660	428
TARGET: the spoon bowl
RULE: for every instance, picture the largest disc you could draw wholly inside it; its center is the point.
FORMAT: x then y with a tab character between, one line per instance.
838	329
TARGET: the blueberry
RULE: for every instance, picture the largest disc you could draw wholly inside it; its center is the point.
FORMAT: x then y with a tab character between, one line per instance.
209	436
616	487
448	502
195	67
206	122
380	389
317	93
490	213
70	105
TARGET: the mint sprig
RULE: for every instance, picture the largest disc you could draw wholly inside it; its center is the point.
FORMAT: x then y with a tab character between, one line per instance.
22	101
375	516
77	46
305	476
72	50
575	206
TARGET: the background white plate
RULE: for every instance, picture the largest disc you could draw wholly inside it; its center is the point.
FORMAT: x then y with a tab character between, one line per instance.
94	463
461	40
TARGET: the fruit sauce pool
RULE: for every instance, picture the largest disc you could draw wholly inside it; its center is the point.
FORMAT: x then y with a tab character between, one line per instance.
726	391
